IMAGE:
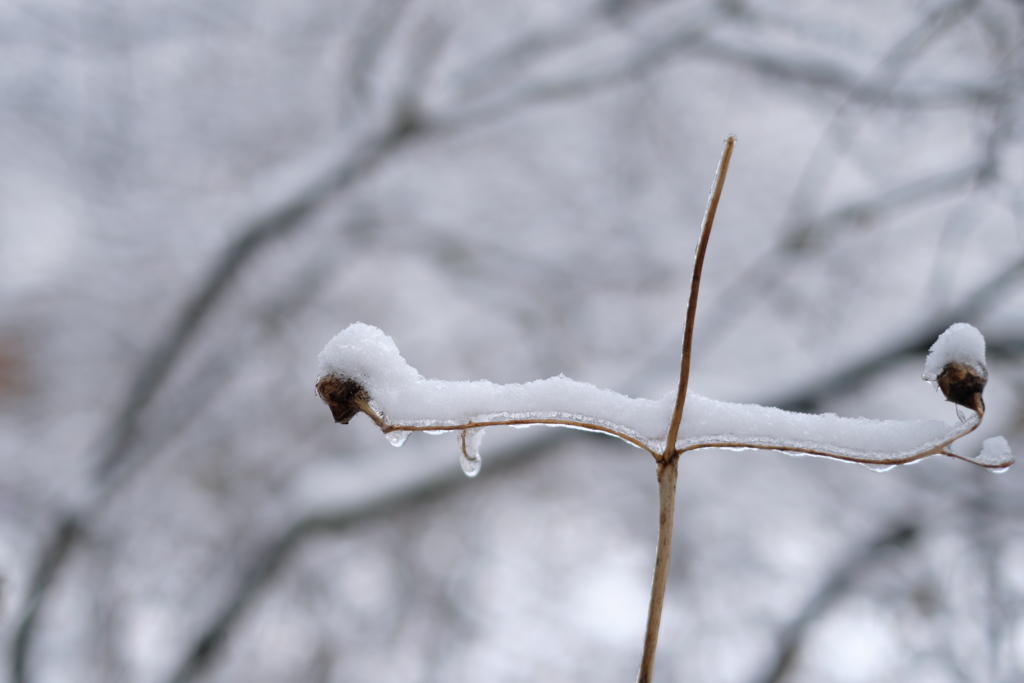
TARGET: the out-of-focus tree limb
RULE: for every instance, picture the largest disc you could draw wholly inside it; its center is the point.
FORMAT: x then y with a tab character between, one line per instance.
194	398
845	123
66	534
116	449
806	238
823	74
916	342
833	589
375	34
798	230
277	223
405	126
264	566
500	69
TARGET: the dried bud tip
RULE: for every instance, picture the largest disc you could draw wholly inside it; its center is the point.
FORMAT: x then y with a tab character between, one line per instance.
962	383
345	397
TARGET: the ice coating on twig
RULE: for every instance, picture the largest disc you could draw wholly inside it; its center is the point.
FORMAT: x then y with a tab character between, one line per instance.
403	400
960	343
995	452
711	423
404	397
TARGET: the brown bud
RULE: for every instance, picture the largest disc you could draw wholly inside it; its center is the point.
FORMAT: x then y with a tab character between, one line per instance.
345	397
962	384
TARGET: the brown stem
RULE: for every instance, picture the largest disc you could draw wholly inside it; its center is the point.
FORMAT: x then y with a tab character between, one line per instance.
668	472
691	306
668	462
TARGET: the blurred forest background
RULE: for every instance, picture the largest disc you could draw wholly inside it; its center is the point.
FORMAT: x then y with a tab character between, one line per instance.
195	196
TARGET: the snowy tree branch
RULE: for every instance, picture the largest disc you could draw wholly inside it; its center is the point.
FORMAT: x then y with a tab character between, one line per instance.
362	371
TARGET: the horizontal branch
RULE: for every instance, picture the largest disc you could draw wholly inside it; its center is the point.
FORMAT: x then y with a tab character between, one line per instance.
361	370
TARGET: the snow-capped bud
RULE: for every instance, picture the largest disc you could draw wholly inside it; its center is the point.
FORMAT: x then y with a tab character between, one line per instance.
345	397
956	362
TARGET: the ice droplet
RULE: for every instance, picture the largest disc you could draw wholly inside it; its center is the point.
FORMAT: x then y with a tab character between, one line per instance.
397	438
880	467
469	458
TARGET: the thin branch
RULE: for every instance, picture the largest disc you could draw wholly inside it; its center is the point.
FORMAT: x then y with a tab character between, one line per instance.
361	402
691	307
345	404
668	461
668	473
938	448
524	422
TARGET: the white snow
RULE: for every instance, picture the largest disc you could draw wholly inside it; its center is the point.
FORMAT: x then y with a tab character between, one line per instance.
959	343
404	398
995	452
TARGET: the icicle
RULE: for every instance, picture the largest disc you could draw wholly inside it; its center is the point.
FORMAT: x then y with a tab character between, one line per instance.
397	438
470	457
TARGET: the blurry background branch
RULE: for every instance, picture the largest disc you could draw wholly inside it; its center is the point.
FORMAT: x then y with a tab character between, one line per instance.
194	197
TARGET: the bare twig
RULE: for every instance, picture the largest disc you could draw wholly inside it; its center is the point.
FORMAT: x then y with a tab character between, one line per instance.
691	307
668	463
668	473
938	448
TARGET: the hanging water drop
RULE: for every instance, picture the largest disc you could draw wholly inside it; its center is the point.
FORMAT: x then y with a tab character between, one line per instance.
470	457
879	467
397	438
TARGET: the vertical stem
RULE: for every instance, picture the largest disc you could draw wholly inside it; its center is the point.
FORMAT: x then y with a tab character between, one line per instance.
691	306
668	461
668	472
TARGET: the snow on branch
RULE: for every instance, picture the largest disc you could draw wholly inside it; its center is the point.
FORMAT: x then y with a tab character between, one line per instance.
361	370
